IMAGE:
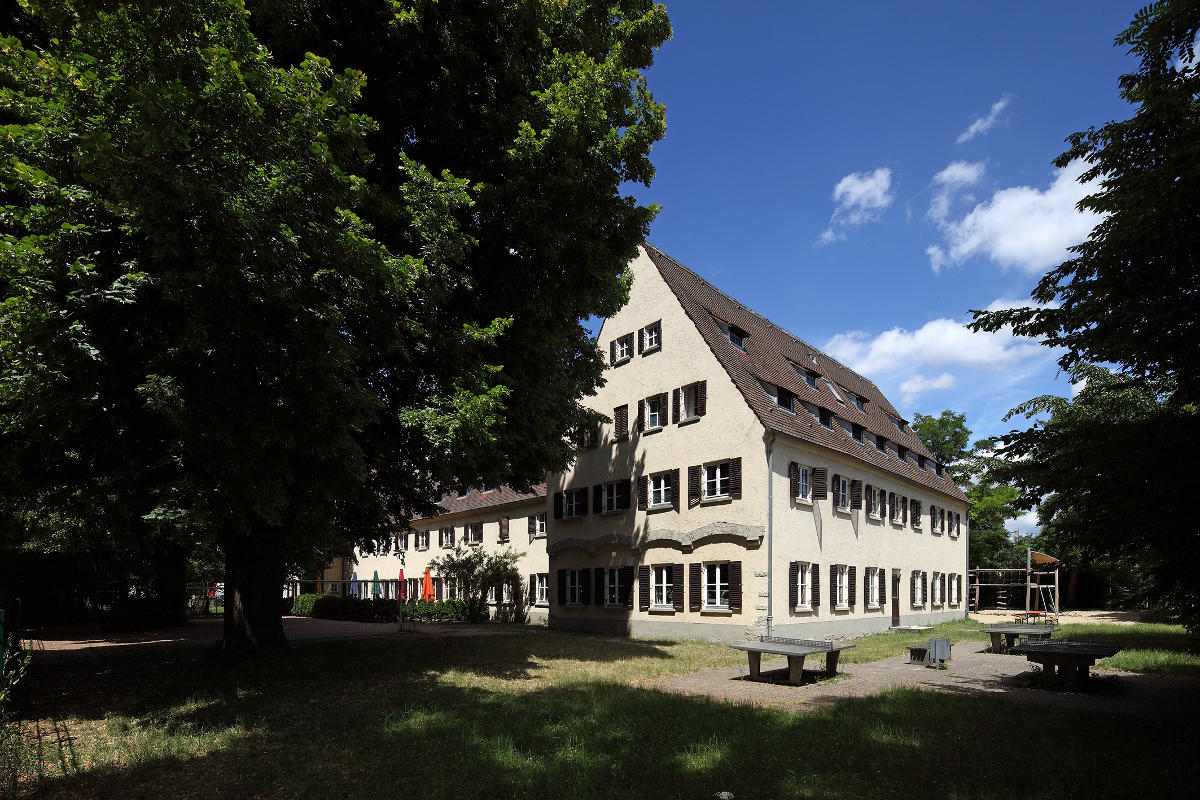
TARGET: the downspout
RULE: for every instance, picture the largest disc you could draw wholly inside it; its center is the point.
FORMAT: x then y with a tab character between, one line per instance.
770	539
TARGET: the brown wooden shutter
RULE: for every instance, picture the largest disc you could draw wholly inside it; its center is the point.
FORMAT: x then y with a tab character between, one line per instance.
820	483
693	486
912	589
851	580
882	587
612	351
677	585
904	510
942	588
924	587
676	488
558	505
625	576
640	425
504	529
562	588
532	589
794	479
600	587
643	492
532	526
623	495
675	406
891	502
621	421
814	591
694	587
837	491
597	499
856	492
832	586
793	583
701	398
643	587
735	478
735	586
585	586
641	340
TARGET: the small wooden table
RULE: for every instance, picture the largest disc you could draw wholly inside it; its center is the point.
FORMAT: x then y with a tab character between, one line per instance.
795	650
1055	657
1004	635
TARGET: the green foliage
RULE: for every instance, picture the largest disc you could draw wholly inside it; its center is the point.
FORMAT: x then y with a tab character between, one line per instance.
455	610
475	572
355	609
946	436
267	308
302	605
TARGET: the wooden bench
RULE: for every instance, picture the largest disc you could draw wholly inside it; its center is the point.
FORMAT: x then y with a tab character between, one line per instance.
1005	635
1055	657
796	650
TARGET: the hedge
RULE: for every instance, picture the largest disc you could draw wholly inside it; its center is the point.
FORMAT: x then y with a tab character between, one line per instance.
436	610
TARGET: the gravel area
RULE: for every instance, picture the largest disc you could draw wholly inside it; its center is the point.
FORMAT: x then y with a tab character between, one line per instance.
971	671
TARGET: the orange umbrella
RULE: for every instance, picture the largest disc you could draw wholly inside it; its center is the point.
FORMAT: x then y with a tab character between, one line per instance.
400	592
427	586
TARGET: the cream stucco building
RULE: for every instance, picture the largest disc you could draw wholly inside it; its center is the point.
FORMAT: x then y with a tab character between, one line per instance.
747	483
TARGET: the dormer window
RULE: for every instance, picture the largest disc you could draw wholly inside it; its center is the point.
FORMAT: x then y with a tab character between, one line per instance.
937	468
812	357
902	453
881	444
859	403
810	378
825	417
782	397
897	422
857	432
737	336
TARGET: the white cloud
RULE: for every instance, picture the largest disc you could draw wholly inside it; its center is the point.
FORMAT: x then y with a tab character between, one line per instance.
1078	387
956	176
938	343
859	199
1026	523
1021	226
919	384
984	124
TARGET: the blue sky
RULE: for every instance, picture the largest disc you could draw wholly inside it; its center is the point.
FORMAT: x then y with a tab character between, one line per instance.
864	174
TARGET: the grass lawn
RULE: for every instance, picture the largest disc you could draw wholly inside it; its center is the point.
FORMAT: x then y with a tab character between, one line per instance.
546	714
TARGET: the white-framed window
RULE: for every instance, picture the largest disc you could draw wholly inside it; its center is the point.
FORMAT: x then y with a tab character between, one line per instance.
422	538
918	597
716	585
539	526
737	336
445	537
491	594
716	479
624	349
656	412
872	592
402	543
825	417
810	378
660	490
804	587
652	338
575	587
475	533
541	588
858	403
610	498
507	593
935	591
803	484
689	402
612	587
662	591
842	594
897	508
574	503
841	493
873	502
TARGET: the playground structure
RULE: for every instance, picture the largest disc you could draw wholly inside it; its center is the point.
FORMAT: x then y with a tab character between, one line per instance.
1003	588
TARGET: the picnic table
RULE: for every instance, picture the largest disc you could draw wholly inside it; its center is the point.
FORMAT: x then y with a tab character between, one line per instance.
1005	635
1058	656
796	650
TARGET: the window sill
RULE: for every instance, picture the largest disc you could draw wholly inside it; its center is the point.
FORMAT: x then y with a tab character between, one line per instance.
803	609
650	350
541	604
841	608
650	431
539	536
474	544
839	510
716	611
688	420
715	500
621	361
575	518
608	512
873	606
621	437
662	609
615	607
659	508
800	501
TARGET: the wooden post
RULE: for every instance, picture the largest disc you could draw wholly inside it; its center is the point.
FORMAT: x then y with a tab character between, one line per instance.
1028	575
1057	603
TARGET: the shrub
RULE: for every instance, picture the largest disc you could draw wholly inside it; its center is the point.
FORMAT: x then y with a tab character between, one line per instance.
353	609
302	606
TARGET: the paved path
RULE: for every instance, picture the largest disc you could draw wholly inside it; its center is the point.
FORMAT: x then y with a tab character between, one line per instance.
971	671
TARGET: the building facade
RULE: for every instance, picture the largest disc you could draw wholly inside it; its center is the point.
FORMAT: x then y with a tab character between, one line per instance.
490	519
747	481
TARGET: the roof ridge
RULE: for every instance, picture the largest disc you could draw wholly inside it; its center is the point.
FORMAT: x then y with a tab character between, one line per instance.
763	319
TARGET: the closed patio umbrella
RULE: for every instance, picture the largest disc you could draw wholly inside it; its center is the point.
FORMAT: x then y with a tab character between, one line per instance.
375	584
353	591
427	586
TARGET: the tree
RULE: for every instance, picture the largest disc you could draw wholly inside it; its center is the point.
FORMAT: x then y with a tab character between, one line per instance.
237	311
946	436
1112	461
475	572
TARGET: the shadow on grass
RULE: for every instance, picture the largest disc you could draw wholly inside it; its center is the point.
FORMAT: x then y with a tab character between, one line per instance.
1143	636
415	736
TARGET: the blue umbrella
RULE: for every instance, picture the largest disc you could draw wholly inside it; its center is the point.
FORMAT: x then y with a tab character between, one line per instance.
353	584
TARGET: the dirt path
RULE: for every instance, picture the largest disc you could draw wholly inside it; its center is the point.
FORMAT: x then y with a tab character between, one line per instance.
971	671
1067	617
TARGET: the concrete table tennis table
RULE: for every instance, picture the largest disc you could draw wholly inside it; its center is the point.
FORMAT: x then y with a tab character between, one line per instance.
1055	657
796	650
1004	635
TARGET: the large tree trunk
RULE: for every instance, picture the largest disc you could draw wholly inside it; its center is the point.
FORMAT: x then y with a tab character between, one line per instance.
253	591
170	583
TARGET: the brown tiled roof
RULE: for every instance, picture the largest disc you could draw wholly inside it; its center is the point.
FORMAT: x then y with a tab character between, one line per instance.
473	500
772	355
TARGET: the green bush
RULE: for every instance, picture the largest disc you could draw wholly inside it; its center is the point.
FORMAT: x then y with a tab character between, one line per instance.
302	606
353	609
436	610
